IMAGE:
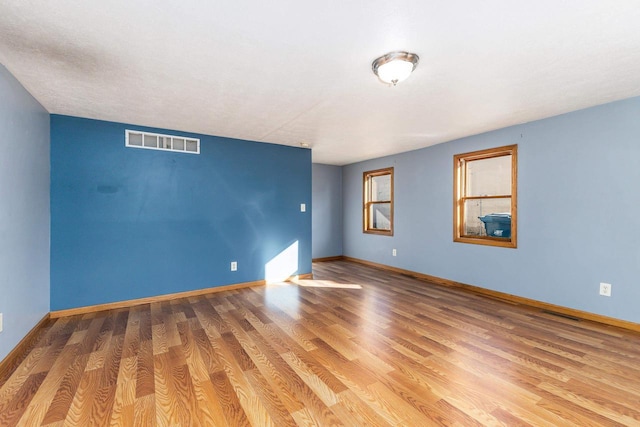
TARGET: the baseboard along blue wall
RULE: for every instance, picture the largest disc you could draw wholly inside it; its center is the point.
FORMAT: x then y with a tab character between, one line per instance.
129	223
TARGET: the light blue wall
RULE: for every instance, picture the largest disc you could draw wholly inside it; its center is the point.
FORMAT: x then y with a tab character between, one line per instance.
128	223
24	211
578	212
327	211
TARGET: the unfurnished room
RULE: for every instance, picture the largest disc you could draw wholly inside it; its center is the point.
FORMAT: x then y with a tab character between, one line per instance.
286	213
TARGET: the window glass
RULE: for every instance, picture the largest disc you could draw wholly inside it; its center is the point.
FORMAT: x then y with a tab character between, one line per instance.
151	141
135	139
381	216
479	212
178	144
381	188
489	177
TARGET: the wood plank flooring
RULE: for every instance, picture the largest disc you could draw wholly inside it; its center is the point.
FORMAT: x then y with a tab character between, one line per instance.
356	347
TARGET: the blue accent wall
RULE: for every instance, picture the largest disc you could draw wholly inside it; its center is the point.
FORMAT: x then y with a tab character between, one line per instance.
578	212
327	211
128	223
24	211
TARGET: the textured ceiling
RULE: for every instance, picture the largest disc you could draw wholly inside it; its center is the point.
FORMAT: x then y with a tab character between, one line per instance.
287	72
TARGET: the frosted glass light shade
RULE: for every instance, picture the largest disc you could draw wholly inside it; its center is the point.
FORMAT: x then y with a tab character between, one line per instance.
395	67
395	71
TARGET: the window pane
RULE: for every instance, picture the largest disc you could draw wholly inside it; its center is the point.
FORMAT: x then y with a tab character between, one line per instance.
151	141
496	214
381	188
489	177
192	145
380	216
178	144
135	139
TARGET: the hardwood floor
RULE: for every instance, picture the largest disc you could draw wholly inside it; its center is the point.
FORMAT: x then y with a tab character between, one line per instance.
357	347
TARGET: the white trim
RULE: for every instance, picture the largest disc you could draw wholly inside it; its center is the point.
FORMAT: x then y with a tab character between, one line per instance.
186	139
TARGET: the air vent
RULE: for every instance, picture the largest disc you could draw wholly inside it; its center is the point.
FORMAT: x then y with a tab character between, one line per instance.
156	141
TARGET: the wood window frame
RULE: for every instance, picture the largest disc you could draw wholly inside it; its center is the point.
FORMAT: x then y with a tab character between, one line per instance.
459	197
367	203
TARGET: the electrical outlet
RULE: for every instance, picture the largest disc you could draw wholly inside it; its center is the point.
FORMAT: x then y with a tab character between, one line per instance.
234	265
1	326
605	289
393	252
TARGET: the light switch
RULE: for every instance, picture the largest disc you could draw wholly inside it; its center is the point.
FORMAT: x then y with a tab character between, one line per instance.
303	207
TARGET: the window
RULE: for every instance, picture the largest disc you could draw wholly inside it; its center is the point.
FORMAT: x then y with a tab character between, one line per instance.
485	185
378	201
156	141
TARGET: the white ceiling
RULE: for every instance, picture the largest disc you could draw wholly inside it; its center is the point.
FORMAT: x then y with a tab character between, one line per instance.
291	71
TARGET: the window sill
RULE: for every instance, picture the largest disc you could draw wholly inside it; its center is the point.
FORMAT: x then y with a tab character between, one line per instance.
488	241
379	232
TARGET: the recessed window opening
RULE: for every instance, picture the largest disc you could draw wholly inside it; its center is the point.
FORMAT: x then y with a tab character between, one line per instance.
485	187
157	141
378	202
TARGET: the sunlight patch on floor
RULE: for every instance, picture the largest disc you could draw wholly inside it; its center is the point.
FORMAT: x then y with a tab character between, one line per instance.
326	284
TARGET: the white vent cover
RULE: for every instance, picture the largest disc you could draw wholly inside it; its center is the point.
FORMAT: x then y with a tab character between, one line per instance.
156	141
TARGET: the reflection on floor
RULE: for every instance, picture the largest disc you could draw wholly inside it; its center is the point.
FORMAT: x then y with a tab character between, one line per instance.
358	347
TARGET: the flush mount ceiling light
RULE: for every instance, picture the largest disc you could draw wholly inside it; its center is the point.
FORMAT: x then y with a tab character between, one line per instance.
394	67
